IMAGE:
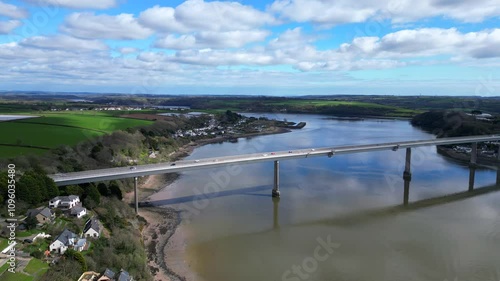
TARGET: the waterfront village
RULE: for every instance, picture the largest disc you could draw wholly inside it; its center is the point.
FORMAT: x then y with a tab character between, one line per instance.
32	242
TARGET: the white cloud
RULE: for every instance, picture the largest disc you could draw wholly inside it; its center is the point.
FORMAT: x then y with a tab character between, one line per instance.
198	15
77	4
329	12
12	11
222	57
427	42
63	42
89	25
211	39
161	19
291	38
7	26
127	50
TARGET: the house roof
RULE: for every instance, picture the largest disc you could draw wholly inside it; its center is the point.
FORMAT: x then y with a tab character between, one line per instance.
46	212
77	210
81	242
123	276
65	198
108	273
65	236
92	224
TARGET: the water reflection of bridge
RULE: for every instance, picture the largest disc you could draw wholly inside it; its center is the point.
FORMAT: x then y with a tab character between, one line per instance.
379	213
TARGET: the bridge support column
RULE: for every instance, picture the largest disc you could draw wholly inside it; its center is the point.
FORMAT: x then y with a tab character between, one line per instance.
472	166
407	176
136	201
473	154
276	188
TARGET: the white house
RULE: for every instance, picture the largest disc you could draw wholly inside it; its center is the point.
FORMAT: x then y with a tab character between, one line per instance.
92	228
63	241
67	240
78	211
64	202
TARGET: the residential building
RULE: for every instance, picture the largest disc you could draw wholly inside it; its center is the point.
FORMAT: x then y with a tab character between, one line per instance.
67	240
92	228
109	275
64	202
42	214
78	211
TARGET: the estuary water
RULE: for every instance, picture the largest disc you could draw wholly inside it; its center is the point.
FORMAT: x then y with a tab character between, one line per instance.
338	218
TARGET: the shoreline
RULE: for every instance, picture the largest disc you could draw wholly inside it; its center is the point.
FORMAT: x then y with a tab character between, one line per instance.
163	239
464	158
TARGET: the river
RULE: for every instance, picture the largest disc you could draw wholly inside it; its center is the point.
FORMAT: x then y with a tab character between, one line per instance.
335	219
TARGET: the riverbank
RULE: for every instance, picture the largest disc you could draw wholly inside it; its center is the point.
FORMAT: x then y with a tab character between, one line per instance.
163	239
465	157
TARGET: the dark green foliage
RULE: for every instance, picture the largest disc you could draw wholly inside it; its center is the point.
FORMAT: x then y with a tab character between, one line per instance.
77	256
66	269
72	190
37	254
103	189
115	190
3	187
28	189
453	124
30	222
91	195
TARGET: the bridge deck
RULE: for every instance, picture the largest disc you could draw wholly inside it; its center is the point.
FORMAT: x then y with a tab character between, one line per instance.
151	169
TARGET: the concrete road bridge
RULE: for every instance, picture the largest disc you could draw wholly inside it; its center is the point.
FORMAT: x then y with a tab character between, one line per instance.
186	165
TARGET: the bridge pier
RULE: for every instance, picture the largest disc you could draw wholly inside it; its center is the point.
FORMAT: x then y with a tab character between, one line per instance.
276	188
472	166
136	201
407	176
473	154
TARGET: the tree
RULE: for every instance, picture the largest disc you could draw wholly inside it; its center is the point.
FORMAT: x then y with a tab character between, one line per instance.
103	189
3	187
30	222
28	189
77	256
115	190
92	193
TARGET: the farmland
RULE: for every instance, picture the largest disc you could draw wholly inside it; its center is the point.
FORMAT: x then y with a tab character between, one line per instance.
50	130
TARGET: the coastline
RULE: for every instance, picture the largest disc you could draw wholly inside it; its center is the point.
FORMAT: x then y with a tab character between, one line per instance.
163	239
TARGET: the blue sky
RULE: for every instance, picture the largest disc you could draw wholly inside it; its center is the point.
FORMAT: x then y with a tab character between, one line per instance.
275	47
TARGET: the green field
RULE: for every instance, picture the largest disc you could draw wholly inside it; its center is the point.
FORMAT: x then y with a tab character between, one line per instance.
7	276
36	268
36	135
3	243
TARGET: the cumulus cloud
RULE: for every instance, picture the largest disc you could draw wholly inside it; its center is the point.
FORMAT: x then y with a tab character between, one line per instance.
198	15
211	39
7	26
426	42
77	4
12	11
333	12
63	42
291	38
89	25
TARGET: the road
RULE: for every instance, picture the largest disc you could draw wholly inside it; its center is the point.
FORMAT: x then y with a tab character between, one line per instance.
186	165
